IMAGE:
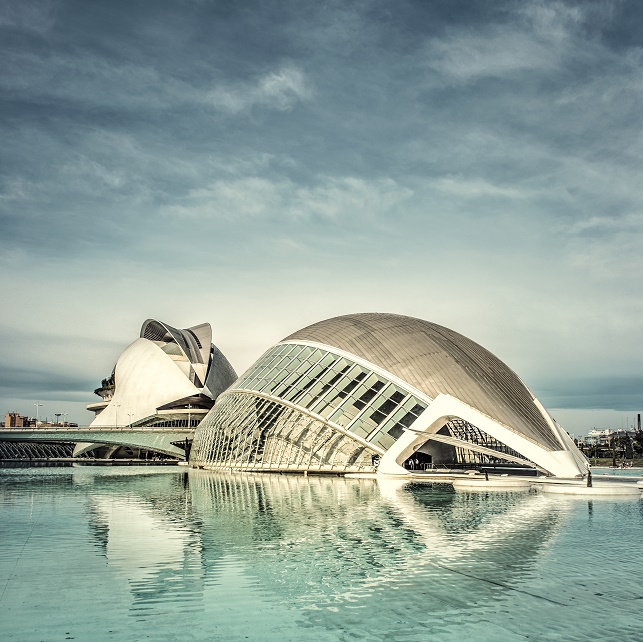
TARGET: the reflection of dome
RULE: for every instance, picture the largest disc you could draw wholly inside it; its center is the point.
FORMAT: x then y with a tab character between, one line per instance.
340	394
166	378
347	538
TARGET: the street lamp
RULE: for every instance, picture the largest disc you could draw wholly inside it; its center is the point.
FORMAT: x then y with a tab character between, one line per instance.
116	407
38	406
189	416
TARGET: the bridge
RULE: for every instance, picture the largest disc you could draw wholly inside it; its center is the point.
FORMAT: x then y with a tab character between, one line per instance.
161	440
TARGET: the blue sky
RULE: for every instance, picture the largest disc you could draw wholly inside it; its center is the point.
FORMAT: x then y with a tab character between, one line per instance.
264	165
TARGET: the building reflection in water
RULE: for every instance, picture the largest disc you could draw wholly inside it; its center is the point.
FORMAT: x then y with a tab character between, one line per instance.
319	542
353	537
149	538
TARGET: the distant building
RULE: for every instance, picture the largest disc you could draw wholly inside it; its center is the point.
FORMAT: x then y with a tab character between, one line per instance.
167	378
598	437
16	420
605	437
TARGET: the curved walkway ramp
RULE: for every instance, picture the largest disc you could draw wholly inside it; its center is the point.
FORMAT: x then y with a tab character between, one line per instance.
160	440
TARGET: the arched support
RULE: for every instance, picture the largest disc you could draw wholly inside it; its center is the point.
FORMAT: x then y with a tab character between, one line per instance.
83	447
560	463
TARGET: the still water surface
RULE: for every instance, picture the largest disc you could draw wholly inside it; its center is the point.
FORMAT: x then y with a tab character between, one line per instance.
166	554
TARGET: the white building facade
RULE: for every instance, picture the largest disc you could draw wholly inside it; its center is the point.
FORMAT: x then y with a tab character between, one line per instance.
372	392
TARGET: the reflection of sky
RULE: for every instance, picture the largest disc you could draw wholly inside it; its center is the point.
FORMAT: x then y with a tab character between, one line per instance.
121	555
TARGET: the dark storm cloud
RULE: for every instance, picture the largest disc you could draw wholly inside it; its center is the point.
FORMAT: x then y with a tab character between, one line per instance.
615	393
15	382
114	112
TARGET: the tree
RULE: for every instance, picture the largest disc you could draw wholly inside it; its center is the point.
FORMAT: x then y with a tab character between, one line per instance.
637	443
629	451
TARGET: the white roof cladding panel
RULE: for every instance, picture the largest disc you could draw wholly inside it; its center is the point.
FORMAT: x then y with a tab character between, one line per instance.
146	378
203	334
157	331
437	360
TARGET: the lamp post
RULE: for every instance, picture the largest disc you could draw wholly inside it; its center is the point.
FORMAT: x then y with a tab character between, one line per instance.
189	416
38	406
116	407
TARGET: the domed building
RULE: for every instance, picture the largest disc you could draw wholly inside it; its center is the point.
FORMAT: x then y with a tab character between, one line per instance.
374	392
167	378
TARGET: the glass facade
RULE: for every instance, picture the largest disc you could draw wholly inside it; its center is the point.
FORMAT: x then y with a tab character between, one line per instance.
466	432
254	433
303	407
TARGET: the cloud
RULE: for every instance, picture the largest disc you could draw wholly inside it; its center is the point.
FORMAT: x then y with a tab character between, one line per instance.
93	79
35	16
332	200
466	57
480	188
532	39
608	249
614	393
15	382
281	90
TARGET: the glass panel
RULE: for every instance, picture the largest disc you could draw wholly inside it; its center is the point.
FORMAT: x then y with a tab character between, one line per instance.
386	406
304	400
287	349
396	431
327	359
341	365
302	384
407	419
315	371
306	352
315	390
326	411
385	441
327	391
347	384
377	417
296	351
359	428
370	422
274	382
341	418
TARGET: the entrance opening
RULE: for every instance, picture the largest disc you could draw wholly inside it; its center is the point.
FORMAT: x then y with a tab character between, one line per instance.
419	461
441	454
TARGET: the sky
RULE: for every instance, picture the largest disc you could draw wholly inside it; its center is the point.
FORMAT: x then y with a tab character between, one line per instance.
264	165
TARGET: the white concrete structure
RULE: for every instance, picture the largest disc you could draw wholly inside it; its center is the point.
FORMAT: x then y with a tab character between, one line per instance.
167	378
568	461
368	392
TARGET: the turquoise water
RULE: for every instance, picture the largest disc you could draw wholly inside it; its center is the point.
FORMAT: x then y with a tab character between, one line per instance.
163	554
599	471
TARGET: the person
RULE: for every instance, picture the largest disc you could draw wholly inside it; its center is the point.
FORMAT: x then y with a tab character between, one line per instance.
417	463
411	463
589	478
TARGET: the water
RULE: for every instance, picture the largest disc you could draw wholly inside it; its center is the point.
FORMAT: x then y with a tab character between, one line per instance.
600	471
163	554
